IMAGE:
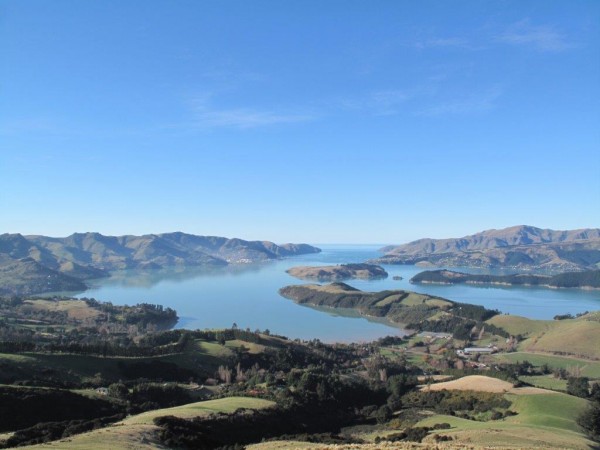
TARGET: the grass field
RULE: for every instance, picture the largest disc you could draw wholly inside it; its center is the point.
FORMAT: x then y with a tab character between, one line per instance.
75	309
545	382
138	432
589	369
414	299
543	421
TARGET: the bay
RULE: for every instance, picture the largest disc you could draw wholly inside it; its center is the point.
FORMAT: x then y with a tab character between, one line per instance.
247	295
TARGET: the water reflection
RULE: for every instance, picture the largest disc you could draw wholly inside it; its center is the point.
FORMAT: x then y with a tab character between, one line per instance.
151	277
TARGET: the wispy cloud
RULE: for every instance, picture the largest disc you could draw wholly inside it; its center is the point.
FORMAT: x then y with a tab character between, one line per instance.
246	118
543	38
205	115
474	103
445	42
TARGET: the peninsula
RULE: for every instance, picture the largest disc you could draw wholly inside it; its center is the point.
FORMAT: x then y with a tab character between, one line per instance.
584	280
412	310
339	272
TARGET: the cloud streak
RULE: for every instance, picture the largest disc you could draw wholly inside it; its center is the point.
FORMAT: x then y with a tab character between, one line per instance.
447	42
244	118
543	38
205	115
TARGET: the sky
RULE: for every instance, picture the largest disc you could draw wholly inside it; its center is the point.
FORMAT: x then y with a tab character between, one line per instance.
309	121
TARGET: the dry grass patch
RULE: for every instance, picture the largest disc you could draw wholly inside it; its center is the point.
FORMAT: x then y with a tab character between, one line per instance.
75	309
482	383
297	445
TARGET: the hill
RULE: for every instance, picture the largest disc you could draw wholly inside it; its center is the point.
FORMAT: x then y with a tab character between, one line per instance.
339	272
544	419
91	255
139	432
26	276
522	247
587	280
578	337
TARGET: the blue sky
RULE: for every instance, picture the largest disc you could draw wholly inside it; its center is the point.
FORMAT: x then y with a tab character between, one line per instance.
322	122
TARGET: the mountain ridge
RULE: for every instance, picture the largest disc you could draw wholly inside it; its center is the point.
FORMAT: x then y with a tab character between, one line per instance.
521	247
90	255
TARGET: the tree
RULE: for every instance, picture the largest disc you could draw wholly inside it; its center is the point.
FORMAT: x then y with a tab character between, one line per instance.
589	420
118	390
383	414
578	386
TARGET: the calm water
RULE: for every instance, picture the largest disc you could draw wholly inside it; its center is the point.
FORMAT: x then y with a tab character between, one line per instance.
248	296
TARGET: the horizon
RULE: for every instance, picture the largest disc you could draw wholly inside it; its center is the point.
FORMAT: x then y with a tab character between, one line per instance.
264	121
317	244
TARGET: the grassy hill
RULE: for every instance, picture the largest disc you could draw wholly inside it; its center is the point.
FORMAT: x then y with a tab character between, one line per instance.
543	421
139	431
339	272
575	337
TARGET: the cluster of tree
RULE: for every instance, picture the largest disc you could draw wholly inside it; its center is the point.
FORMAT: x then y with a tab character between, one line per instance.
155	370
465	404
113	332
412	434
247	426
589	420
312	401
148	396
570	316
141	314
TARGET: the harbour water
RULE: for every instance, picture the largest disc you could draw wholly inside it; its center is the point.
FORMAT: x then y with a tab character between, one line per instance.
248	296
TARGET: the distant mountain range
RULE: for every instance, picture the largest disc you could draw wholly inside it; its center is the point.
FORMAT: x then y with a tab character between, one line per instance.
83	256
519	247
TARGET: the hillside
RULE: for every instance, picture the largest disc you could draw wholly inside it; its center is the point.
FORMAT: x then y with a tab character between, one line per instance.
587	280
26	276
522	247
92	255
578	337
339	272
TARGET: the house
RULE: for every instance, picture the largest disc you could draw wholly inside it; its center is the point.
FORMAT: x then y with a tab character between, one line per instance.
470	350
